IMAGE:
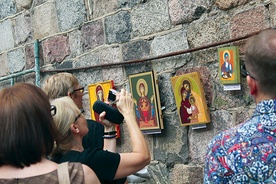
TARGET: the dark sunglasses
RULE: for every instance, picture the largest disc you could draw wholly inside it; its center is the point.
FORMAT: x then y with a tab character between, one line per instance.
77	117
79	89
244	72
53	110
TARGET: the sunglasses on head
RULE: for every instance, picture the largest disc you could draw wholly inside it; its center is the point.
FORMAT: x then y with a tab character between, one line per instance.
245	73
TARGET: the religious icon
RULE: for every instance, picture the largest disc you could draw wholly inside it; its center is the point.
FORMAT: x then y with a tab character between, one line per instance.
229	65
99	91
190	99
146	100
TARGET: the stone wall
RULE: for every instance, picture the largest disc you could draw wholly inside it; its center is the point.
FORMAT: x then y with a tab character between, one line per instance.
76	33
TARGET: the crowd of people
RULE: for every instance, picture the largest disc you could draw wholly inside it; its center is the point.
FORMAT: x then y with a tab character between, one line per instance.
46	138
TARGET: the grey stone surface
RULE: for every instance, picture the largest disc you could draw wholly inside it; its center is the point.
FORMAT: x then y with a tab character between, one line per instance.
166	44
75	43
182	11
150	17
16	60
45	20
128	3
186	174
6	38
207	30
136	50
118	28
89	59
23	28
70	14
23	4
229	4
109	55
158	173
272	9
101	8
92	35
3	65
7	8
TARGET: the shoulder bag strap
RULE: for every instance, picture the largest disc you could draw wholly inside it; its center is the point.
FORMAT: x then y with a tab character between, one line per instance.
63	174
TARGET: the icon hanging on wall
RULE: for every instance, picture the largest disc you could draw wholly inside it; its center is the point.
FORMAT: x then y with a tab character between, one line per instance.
190	99
100	91
145	94
229	67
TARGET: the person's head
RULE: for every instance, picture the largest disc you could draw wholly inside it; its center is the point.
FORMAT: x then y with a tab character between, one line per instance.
186	84
142	88
27	130
99	92
63	84
184	93
260	63
69	121
226	56
192	100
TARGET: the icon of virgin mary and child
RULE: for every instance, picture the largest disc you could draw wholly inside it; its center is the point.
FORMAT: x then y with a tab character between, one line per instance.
144	107
188	111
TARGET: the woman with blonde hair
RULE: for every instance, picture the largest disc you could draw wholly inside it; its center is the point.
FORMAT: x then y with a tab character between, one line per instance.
108	166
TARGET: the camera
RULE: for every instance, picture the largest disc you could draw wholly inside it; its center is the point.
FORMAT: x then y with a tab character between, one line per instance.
112	95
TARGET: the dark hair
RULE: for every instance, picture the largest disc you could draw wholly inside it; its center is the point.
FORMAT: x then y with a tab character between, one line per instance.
260	60
27	130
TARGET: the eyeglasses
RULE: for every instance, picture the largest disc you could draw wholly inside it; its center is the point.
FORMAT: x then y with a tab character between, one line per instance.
53	110
77	117
244	72
79	89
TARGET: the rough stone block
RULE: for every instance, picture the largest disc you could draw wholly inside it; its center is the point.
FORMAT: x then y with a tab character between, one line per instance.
45	20
55	49
30	58
272	9
3	65
101	7
183	11
114	73
186	174
22	28
129	3
136	50
110	55
88	59
6	38
172	144
158	173
199	139
224	5
208	30
172	42
23	4
118	28
7	8
70	14
16	60
150	17
243	23
92	35
75	42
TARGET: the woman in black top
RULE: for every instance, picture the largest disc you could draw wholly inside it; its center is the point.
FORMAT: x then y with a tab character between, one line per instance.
108	165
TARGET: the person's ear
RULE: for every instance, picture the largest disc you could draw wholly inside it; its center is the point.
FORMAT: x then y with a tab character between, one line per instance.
74	128
252	84
69	94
